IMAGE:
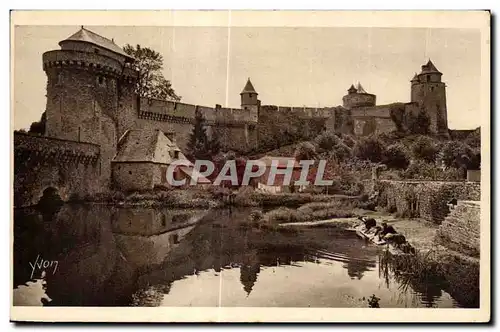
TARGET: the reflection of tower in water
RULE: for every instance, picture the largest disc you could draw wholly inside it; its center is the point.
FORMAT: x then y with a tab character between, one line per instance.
249	270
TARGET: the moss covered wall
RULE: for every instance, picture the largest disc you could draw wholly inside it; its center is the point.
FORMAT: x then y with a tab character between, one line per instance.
424	199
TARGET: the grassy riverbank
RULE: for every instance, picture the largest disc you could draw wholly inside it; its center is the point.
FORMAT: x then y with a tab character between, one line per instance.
214	198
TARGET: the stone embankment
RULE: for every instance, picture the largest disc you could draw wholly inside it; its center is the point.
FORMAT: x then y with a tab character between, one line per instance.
460	231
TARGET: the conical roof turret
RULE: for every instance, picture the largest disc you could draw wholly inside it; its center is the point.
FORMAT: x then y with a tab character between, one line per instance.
429	68
248	87
360	88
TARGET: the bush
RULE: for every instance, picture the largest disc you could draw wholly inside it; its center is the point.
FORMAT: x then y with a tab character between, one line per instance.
370	148
284	215
245	197
424	148
420	170
348	140
256	215
396	157
457	154
342	151
331	143
326	141
474	139
305	151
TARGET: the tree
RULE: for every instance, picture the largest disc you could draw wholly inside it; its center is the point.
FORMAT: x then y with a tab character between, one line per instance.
333	144
474	139
214	143
198	144
326	141
420	123
38	127
151	83
370	148
459	155
424	148
396	157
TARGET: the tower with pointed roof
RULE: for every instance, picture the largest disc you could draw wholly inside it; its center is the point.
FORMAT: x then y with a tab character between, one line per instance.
357	97
85	79
249	100
428	92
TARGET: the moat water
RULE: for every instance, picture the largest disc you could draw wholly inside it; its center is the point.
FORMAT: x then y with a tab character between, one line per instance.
94	255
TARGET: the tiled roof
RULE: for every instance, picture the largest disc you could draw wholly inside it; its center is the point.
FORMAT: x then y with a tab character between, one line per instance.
248	87
429	68
360	88
88	36
146	146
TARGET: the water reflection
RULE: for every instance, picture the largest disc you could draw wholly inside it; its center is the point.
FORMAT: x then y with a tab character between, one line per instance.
152	257
98	263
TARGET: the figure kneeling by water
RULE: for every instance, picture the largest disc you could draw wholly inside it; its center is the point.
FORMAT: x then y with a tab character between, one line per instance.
383	234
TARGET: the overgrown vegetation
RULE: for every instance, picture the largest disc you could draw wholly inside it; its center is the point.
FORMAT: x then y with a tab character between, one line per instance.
308	212
452	273
150	83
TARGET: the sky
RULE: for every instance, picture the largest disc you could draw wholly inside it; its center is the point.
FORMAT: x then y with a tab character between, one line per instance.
288	66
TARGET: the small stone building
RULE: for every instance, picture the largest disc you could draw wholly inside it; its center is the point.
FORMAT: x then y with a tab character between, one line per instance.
143	158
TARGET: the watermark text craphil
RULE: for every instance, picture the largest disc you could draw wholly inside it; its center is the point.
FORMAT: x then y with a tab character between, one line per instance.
299	173
42	265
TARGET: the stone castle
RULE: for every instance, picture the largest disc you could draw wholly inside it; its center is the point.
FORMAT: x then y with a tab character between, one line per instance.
91	104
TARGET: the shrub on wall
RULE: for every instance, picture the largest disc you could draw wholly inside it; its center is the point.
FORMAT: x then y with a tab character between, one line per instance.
370	148
424	148
396	156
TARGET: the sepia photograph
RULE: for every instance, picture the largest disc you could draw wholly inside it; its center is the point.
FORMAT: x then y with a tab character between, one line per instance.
250	166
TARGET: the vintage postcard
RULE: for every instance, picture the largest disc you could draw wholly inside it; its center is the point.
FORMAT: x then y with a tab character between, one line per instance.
250	166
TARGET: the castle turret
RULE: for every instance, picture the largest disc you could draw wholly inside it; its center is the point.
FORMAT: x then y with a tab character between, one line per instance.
414	80
83	88
429	93
249	100
358	97
352	90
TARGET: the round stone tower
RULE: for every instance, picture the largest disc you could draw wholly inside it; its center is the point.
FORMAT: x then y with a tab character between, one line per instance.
429	93
358	97
83	88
